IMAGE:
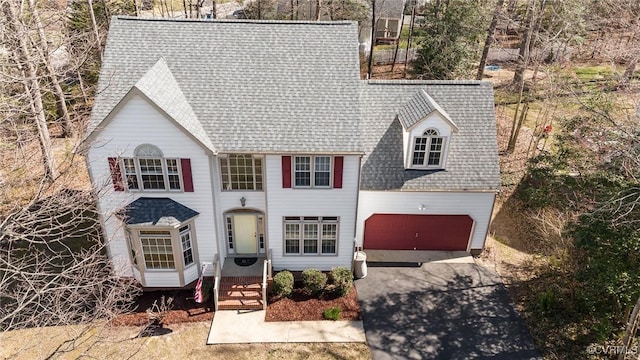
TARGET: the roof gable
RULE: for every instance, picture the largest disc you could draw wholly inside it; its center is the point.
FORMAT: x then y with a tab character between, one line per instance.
418	108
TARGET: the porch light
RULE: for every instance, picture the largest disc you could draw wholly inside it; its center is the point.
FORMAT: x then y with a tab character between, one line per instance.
243	201
421	207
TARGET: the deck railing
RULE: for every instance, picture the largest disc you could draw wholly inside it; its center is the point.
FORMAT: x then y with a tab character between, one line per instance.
266	275
217	274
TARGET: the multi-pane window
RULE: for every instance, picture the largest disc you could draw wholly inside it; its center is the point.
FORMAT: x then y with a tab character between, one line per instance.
187	249
230	231
292	238
312	171
302	171
173	174
310	238
241	172
152	174
311	234
130	174
329	238
150	171
427	149
157	249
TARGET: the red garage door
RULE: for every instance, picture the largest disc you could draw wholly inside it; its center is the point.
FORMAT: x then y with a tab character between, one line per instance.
417	232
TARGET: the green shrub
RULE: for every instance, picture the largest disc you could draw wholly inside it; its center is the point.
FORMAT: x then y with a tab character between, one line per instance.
314	281
283	283
342	280
332	313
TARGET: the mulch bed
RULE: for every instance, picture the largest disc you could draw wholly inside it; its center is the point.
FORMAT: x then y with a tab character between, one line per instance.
184	309
301	306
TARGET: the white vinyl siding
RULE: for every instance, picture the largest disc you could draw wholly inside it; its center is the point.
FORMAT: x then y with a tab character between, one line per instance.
120	138
286	202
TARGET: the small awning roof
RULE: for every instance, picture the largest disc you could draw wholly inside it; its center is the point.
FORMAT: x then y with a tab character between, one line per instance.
157	211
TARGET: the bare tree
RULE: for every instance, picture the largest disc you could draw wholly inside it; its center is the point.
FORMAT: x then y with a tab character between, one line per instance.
55	268
43	50
29	77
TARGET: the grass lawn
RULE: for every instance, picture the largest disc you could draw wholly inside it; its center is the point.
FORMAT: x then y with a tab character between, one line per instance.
186	341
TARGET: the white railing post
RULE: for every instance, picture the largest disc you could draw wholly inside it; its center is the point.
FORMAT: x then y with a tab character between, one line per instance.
216	281
264	284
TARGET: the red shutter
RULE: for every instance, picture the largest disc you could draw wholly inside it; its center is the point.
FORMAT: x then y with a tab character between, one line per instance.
187	179
116	175
338	162
286	172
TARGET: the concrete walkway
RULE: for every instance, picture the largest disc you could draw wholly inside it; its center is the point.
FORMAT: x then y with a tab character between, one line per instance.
242	327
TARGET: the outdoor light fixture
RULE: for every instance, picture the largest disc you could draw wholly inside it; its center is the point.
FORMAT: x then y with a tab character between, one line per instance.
421	207
243	201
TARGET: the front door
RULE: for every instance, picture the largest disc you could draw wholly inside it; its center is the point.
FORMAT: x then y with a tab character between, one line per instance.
244	231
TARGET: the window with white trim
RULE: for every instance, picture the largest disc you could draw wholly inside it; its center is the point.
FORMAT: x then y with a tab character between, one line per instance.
310	235
187	249
149	170
157	249
312	171
241	172
428	150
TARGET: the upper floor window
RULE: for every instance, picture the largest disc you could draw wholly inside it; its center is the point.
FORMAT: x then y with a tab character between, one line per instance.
312	171
241	172
150	170
428	149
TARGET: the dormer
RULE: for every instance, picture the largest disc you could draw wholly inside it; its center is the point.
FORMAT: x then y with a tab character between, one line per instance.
426	134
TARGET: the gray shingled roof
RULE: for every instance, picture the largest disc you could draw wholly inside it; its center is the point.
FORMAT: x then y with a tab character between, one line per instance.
416	109
157	211
255	86
473	158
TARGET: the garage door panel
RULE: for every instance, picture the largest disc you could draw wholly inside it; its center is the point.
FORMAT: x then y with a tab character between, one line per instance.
417	232
391	232
444	232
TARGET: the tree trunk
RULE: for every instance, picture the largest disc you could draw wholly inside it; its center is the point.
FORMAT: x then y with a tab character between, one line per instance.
32	89
630	332
490	38
214	11
406	55
61	103
523	54
373	38
628	72
94	25
395	52
317	10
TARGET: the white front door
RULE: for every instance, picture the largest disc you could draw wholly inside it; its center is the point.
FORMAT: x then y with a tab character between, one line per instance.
244	231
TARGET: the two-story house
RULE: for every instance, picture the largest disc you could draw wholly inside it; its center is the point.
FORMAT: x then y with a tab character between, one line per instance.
237	138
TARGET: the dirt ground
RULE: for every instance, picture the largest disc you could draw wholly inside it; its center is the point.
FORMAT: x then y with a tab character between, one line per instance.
183	341
302	307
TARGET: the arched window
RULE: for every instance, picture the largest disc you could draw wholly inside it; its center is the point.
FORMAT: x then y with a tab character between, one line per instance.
148	150
149	170
428	149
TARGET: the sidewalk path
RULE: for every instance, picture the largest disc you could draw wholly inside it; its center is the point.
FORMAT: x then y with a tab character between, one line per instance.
242	327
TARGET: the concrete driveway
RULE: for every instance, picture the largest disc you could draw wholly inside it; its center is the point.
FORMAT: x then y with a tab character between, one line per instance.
441	311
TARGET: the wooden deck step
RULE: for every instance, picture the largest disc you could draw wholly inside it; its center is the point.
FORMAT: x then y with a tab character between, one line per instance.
240	304
240	293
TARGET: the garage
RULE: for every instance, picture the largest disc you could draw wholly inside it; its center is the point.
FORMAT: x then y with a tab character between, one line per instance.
417	232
